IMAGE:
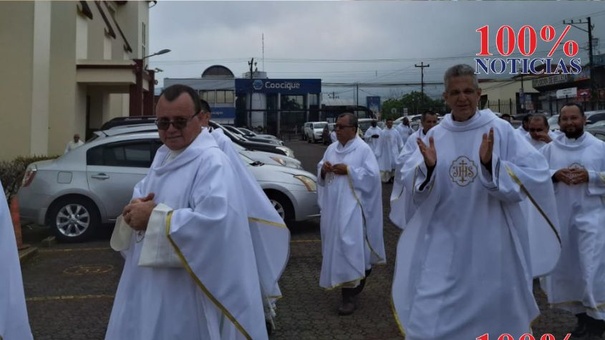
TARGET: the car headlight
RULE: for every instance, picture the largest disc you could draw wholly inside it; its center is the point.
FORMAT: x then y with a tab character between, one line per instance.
287	150
289	164
279	160
308	182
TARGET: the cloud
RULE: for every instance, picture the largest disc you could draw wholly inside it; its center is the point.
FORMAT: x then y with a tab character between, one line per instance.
346	41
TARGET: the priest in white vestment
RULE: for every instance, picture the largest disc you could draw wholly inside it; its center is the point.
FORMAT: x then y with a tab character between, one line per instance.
577	165
539	131
463	265
391	145
190	268
270	235
14	323
372	137
404	129
350	199
400	200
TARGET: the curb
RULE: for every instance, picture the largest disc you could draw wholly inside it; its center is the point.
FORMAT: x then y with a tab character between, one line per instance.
28	253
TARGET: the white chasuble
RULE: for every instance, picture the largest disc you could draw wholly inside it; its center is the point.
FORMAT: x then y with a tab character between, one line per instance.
216	293
14	323
578	281
270	235
351	214
464	266
390	145
400	199
373	142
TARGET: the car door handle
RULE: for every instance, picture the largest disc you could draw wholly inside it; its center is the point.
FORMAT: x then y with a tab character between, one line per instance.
100	176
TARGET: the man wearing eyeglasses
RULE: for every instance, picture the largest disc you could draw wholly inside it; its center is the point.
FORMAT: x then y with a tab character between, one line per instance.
190	201
350	198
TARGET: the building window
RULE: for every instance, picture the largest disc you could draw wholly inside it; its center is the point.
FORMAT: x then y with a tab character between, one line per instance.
210	97
229	97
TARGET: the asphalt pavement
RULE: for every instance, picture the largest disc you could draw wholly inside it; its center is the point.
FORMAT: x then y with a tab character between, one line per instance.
70	287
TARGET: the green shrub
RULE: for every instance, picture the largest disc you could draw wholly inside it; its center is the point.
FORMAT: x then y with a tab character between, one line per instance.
12	172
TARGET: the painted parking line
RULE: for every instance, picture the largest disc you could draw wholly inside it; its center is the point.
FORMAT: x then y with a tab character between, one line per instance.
72	249
304	241
68	297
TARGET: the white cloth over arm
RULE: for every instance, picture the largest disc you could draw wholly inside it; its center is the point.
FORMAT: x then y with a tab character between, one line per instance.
14	323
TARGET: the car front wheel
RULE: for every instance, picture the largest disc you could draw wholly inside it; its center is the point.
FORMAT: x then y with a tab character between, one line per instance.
73	219
282	204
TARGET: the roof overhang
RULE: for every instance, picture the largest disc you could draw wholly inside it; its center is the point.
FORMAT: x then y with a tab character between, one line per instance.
110	73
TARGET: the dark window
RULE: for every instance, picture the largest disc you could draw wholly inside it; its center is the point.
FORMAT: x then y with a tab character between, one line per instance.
138	154
597	117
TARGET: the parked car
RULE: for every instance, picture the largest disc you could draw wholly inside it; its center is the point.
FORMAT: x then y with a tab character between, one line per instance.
252	138
598	131
251	133
364	124
594	116
553	122
238	139
80	191
314	130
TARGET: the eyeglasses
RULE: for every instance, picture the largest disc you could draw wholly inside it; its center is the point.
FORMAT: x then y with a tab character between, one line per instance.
179	123
338	126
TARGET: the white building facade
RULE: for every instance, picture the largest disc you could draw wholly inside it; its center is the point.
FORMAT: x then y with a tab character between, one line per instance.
69	66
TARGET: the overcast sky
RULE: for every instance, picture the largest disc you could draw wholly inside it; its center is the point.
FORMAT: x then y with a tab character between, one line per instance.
349	41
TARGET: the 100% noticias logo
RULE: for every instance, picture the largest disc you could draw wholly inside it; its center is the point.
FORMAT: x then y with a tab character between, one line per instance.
526	42
525	336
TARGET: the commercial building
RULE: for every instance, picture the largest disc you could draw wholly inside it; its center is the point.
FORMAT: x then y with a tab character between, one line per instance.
275	106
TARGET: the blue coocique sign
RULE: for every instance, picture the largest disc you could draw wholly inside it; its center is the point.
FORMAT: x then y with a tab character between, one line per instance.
283	86
223	112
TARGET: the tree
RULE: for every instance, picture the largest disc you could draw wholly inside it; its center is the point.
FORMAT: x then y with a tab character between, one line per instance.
415	102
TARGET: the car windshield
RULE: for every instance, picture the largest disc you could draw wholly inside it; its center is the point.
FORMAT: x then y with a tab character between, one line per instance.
246	131
319	125
365	125
554	120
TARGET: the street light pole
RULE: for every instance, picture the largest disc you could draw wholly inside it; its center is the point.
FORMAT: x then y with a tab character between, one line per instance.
137	102
252	64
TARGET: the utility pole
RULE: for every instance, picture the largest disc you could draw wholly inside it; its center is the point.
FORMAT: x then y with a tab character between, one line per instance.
590	60
422	66
252	64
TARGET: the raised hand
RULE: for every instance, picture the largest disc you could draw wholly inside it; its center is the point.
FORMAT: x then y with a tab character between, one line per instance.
487	148
428	152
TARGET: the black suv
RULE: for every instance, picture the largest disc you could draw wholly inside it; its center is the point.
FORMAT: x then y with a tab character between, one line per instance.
237	139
